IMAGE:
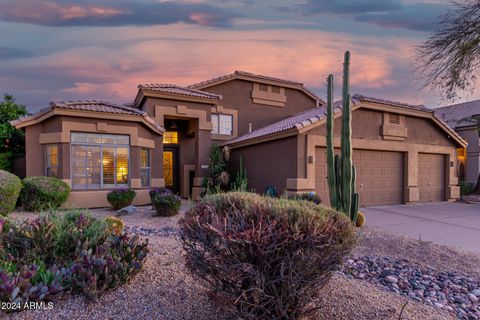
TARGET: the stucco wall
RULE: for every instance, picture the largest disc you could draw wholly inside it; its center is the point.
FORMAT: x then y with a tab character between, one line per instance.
367	124
268	163
237	94
422	136
473	154
57	130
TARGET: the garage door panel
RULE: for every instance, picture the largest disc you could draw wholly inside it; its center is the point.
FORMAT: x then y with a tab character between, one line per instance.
379	176
431	177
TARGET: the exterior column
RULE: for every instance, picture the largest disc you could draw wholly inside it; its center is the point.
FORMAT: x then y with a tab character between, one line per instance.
453	190
203	144
412	191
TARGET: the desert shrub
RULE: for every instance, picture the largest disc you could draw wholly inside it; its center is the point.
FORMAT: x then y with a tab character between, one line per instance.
53	255
265	258
166	203
271	191
157	190
466	188
43	193
120	197
10	186
307	196
116	225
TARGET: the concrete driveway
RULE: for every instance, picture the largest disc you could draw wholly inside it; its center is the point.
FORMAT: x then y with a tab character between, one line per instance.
452	224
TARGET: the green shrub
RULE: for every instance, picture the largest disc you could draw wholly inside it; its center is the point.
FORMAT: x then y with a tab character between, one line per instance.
265	258
165	202
120	197
10	186
43	193
466	188
306	196
46	258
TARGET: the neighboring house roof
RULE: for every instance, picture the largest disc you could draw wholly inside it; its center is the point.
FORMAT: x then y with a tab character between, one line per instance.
173	90
307	118
455	115
258	78
88	106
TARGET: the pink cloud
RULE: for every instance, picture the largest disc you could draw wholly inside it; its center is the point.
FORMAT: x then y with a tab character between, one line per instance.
185	54
42	11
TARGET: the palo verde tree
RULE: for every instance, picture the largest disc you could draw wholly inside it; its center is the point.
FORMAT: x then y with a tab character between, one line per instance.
450	59
11	139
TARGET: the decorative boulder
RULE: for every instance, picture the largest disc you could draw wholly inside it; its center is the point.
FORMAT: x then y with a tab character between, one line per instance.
127	211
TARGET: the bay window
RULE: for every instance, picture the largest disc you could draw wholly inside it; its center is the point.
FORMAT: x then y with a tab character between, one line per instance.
99	160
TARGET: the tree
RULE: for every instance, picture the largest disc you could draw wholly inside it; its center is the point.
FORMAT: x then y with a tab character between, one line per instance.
450	59
11	139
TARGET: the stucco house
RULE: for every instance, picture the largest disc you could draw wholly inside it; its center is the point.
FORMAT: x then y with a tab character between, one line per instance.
458	116
403	153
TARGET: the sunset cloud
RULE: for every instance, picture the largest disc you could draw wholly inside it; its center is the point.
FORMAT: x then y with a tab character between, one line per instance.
65	50
112	13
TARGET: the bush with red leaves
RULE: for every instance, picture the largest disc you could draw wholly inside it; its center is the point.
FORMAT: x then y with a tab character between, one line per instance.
264	258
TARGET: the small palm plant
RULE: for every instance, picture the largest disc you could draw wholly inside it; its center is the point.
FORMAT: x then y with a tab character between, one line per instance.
218	176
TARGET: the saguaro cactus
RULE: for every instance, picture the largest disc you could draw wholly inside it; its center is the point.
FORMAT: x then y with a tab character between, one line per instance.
341	172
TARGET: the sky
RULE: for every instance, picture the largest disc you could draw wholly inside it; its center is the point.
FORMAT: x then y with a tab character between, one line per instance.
54	50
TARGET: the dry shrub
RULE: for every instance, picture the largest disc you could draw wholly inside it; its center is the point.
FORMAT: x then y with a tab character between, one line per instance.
266	258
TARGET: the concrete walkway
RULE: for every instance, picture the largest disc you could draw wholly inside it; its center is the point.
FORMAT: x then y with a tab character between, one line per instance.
452	224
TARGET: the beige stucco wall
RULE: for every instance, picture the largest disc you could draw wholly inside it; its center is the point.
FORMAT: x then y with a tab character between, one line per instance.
267	163
237	95
473	153
57	130
422	136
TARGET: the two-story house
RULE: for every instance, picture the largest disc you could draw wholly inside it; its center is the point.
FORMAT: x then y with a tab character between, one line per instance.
404	153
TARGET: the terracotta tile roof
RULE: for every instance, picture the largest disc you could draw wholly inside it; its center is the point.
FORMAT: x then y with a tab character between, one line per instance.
96	106
454	115
254	76
305	118
177	90
298	120
418	107
93	106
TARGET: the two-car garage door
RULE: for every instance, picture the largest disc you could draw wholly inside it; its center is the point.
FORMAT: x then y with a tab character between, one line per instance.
380	176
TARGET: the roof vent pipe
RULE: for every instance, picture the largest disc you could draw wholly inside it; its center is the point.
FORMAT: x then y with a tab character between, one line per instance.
250	127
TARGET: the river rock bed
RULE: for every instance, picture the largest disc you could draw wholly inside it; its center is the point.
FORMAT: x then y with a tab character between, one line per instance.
162	232
451	291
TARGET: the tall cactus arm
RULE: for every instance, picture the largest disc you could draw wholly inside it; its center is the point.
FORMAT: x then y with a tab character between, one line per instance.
355	197
346	138
354	212
330	148
338	185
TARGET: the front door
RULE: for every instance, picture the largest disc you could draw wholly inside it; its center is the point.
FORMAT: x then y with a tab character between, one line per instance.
170	168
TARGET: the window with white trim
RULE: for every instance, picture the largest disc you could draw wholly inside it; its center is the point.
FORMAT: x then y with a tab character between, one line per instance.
51	161
222	124
99	160
145	168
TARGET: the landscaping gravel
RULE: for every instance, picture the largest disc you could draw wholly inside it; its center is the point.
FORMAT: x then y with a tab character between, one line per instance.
165	290
451	291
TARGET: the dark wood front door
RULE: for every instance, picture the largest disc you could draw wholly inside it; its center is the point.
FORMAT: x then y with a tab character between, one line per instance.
170	168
